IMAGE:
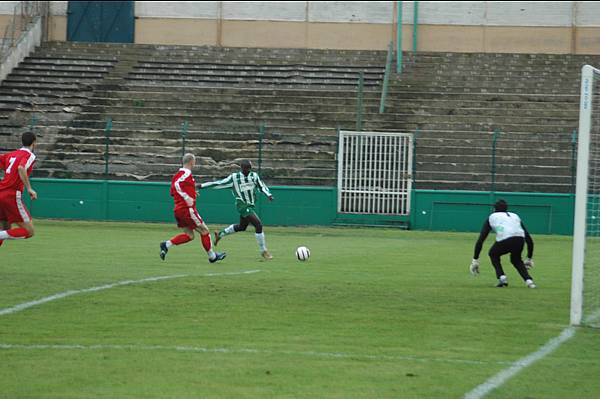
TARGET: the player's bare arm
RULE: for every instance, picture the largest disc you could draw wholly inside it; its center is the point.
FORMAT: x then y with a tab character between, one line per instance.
25	179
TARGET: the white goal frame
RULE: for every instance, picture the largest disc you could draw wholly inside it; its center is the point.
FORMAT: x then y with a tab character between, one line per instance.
581	193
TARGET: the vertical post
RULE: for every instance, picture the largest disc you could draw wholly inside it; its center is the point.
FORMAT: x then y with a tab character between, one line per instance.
415	25
413	202
573	159
339	175
414	160
261	136
32	123
359	100
494	140
107	131
184	131
399	39
386	77
586	100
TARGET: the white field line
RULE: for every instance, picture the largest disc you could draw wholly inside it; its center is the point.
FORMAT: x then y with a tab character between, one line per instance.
504	375
338	355
27	305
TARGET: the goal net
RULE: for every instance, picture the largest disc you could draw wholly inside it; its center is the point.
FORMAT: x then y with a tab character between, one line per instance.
585	286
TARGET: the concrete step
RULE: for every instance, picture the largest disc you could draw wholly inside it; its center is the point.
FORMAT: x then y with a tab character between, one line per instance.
217	153
484	160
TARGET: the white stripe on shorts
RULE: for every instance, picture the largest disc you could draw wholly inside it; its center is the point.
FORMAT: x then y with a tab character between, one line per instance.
195	217
21	208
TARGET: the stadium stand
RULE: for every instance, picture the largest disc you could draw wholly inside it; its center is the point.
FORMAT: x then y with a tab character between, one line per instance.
224	94
453	100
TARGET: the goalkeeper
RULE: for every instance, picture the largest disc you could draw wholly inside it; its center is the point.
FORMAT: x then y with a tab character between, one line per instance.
511	236
244	185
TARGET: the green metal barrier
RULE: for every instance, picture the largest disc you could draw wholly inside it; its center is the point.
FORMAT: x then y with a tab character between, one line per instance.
466	210
295	205
386	77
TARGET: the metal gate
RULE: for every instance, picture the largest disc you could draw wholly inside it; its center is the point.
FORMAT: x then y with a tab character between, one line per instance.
374	173
100	21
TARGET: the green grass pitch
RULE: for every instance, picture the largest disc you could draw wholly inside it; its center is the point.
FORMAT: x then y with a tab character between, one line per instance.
374	313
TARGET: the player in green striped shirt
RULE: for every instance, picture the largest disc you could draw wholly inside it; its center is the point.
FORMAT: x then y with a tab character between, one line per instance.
244	185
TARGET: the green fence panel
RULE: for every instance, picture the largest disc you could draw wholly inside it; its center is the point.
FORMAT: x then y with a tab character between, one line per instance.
68	199
467	210
294	206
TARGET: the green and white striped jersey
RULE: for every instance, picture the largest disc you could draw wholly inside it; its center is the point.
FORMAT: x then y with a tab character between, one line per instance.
243	187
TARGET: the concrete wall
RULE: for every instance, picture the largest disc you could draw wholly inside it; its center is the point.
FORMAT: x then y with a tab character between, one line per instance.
476	26
22	48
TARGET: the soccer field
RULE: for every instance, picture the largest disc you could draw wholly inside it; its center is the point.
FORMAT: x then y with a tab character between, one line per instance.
374	313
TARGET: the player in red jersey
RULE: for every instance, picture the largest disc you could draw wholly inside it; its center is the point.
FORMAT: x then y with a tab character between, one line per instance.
183	191
17	166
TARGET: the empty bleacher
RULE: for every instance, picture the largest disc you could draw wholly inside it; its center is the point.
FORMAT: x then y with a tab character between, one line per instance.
452	102
456	101
224	94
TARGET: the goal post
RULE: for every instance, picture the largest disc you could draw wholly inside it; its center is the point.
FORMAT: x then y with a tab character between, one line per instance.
585	284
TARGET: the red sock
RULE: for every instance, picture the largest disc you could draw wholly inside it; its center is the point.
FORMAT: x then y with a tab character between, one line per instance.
18	232
206	242
180	239
1	242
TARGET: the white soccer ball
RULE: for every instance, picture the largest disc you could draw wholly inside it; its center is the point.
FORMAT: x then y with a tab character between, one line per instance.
302	253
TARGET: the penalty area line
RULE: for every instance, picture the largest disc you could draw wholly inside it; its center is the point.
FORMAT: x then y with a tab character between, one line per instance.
27	305
504	375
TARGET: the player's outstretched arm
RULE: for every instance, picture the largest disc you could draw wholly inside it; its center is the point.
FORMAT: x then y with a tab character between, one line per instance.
223	183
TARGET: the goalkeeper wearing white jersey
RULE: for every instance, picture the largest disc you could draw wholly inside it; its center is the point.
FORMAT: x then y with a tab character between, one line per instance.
244	185
511	236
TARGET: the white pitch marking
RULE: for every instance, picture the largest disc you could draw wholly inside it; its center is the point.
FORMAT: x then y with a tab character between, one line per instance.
504	375
27	305
340	355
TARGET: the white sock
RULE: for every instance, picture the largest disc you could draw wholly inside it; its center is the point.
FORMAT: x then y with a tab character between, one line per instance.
169	244
211	254
229	230
260	239
4	235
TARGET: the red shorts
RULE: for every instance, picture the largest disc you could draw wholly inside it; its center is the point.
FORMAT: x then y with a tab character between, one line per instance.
12	208
188	217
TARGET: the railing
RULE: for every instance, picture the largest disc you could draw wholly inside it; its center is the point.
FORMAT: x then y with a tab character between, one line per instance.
386	78
24	15
415	25
399	38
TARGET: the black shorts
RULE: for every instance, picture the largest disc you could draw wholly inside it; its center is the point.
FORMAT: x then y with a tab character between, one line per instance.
512	245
